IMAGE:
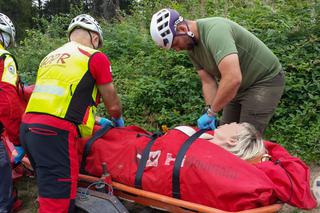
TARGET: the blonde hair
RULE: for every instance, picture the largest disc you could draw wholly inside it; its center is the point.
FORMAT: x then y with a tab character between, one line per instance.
248	143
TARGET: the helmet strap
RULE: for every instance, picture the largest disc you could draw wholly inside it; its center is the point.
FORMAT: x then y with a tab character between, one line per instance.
5	39
2	39
91	40
190	34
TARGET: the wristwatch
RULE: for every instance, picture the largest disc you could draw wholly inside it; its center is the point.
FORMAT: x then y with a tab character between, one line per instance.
210	111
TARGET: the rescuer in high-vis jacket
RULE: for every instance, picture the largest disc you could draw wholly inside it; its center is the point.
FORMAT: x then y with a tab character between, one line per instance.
11	110
69	84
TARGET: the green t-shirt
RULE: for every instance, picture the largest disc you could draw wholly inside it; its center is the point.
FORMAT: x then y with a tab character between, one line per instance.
220	37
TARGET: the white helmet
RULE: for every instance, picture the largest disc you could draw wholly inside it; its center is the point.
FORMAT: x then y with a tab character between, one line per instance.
163	27
7	26
86	22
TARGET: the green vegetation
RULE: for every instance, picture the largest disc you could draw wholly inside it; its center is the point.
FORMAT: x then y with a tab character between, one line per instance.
161	87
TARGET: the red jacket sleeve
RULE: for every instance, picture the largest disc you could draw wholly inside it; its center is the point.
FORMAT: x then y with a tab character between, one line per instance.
100	68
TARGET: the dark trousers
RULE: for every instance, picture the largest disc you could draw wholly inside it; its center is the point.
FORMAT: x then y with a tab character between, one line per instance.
256	105
53	155
6	198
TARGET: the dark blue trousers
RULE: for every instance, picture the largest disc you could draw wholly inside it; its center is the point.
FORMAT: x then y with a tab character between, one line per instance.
6	199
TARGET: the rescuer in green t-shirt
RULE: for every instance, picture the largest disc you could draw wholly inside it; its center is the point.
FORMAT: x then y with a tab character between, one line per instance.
239	73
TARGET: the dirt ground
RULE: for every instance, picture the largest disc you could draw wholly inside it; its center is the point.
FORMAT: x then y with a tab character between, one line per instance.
28	193
315	172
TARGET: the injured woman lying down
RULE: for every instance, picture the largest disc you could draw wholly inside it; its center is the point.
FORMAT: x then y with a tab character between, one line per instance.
230	168
241	139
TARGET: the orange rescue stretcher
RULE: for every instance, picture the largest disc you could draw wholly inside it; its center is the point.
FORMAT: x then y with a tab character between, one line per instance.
167	203
159	201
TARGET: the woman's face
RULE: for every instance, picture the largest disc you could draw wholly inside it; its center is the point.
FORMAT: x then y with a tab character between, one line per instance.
224	133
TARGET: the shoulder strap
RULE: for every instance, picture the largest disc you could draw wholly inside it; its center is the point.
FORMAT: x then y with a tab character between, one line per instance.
177	163
4	55
89	143
143	161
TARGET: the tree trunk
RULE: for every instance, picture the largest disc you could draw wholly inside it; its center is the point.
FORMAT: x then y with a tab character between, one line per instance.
203	11
106	8
110	8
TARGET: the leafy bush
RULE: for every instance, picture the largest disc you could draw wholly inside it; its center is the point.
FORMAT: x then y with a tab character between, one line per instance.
161	87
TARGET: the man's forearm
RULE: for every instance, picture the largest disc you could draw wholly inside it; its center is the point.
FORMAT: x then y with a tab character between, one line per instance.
114	110
111	100
226	91
229	84
209	92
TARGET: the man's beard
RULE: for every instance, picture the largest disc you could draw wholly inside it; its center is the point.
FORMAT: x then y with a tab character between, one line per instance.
190	45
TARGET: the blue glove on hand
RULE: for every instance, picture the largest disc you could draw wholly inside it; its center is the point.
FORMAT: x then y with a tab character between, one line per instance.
20	154
118	122
105	122
207	122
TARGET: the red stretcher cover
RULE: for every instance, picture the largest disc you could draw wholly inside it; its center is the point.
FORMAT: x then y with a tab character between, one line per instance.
209	174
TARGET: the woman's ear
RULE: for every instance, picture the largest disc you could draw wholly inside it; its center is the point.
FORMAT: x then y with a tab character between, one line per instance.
231	141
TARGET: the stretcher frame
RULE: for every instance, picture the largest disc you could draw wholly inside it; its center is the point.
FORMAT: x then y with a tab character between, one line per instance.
159	201
166	203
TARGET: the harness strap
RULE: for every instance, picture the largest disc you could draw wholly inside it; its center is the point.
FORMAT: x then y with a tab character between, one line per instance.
143	161
88	145
278	162
177	163
1	128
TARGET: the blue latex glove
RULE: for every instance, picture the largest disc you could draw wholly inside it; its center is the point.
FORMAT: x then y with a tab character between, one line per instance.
118	122
20	154
105	122
207	122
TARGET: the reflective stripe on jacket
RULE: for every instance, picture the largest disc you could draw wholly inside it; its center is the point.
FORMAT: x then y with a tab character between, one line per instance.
65	87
